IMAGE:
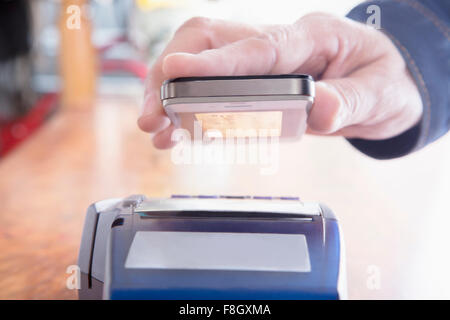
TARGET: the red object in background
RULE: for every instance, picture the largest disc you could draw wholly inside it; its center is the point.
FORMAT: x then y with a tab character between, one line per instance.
136	68
14	132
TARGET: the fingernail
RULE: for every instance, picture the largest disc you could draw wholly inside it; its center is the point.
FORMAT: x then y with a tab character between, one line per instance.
151	102
165	123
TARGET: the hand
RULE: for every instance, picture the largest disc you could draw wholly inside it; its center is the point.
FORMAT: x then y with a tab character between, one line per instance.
364	88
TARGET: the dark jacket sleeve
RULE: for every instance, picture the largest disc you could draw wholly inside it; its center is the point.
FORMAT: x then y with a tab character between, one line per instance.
421	32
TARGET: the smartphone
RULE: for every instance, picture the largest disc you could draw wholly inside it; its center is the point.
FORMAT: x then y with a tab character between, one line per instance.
240	106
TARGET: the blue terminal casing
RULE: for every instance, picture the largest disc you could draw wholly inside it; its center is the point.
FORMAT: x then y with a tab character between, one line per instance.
111	227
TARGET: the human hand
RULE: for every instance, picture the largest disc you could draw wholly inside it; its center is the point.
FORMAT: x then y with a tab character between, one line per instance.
364	89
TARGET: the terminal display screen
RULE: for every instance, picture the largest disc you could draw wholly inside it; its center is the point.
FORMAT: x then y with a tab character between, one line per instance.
219	251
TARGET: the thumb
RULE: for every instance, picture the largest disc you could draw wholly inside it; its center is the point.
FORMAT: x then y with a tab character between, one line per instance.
339	103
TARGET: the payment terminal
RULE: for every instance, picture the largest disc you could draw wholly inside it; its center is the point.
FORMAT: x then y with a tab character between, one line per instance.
211	247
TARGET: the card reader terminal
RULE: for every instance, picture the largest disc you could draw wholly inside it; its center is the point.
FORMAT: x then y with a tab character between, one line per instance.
211	247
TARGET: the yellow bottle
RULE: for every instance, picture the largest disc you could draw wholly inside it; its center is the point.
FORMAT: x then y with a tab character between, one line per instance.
78	58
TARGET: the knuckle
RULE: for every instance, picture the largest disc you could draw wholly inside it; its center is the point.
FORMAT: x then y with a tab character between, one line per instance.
281	34
196	22
319	27
201	26
349	95
320	22
268	46
275	39
318	16
263	41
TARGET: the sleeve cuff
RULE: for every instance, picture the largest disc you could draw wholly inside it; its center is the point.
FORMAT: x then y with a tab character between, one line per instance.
405	22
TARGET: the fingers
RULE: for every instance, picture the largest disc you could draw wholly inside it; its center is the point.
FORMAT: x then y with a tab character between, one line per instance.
370	104
245	57
373	98
277	51
318	44
153	117
338	46
194	36
162	140
334	49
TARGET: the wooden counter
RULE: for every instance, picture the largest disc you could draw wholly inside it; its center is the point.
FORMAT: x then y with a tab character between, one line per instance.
394	214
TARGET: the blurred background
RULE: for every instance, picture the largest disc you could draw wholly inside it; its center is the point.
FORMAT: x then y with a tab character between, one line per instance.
71	83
